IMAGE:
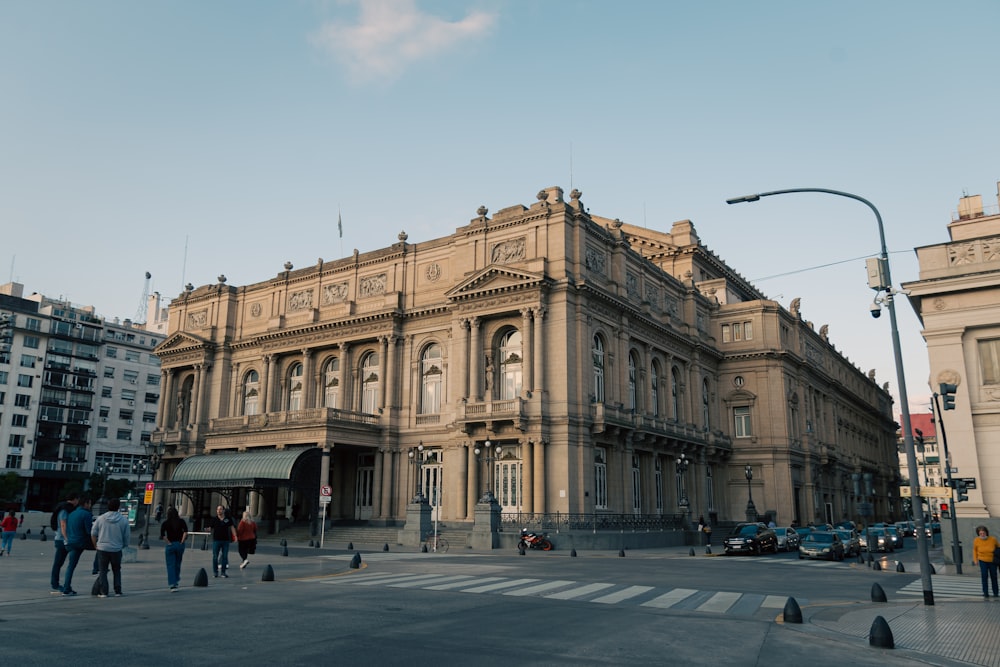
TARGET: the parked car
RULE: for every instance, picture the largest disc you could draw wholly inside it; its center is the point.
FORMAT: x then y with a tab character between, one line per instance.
878	538
822	544
906	528
897	539
788	539
851	540
753	538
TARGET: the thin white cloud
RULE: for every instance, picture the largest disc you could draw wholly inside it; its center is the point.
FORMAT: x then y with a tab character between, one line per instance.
390	35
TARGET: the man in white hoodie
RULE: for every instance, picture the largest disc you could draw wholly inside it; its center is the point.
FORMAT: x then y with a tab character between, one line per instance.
111	535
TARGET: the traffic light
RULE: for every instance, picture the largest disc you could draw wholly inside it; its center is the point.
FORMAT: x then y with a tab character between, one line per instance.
944	510
961	491
948	395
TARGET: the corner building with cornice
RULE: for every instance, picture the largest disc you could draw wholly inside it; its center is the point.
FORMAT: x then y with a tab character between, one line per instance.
586	373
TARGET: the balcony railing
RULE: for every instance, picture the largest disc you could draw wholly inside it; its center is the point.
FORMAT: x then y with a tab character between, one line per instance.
291	418
604	414
492	410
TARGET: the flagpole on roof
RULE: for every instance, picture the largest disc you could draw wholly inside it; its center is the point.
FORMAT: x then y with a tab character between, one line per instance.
340	231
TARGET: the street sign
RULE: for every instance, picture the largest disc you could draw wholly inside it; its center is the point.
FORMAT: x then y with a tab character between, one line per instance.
970	482
148	497
927	492
325	494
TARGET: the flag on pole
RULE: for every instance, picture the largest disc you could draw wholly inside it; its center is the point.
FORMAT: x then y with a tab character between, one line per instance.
340	225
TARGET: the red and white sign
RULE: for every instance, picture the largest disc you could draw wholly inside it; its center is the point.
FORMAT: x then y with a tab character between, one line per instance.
326	491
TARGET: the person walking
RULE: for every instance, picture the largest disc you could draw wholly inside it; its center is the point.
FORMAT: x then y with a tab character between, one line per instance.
246	534
111	535
62	512
984	552
9	527
174	532
78	539
223	533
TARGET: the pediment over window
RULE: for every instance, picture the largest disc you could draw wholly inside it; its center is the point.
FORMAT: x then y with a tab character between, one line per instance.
493	280
181	343
740	396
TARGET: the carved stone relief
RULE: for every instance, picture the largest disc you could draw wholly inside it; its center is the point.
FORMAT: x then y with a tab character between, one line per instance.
372	286
334	293
198	320
506	252
596	261
300	300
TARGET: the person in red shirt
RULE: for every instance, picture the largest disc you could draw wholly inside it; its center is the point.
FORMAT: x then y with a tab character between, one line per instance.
9	526
246	534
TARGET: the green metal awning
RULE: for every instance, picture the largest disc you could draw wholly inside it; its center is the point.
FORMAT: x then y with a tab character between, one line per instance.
260	469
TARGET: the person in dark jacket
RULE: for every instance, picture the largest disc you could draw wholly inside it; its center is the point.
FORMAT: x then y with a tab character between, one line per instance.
78	527
223	533
174	532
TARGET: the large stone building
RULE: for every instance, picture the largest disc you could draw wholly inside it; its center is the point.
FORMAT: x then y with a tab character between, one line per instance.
956	300
563	362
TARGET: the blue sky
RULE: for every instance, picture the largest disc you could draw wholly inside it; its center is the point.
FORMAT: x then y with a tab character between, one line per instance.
192	139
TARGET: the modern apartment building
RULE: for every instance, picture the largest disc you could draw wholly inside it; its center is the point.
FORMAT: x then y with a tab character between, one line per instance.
69	387
560	362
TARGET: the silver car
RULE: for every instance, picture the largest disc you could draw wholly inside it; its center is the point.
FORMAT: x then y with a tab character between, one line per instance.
788	538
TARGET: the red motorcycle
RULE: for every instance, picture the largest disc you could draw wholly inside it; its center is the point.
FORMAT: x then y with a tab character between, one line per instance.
533	541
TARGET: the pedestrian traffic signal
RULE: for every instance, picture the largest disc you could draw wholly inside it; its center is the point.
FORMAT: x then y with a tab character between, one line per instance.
948	395
944	510
961	491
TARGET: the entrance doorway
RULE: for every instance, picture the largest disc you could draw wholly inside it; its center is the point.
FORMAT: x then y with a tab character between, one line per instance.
364	488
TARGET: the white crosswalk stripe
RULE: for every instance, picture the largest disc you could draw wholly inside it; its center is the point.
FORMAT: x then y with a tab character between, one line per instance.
689	599
946	587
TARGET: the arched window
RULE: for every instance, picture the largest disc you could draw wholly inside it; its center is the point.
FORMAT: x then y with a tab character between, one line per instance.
706	413
369	383
331	383
295	388
598	356
633	389
654	387
675	399
431	373
251	393
510	365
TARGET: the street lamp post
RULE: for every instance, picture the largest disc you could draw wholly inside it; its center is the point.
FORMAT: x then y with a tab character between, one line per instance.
489	455
751	508
884	281
416	456
104	469
682	466
154	455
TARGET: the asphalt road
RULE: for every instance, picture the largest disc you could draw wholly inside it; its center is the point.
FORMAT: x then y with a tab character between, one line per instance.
483	609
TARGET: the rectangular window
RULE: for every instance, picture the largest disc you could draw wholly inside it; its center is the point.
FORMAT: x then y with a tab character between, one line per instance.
105	392
128	394
153	379
13	461
19	420
102	432
3	377
125	414
131	376
989	360
148	417
16	440
124	434
33	324
28	360
726	335
22	400
24	380
600	478
131	355
152	398
109	371
748	331
31	342
111	352
741	417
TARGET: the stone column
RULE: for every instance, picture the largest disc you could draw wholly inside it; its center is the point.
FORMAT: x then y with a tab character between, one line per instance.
526	343
539	488
462	358
475	353
390	372
538	343
528	476
166	379
383	385
201	374
308	386
462	491
472	486
342	394
265	391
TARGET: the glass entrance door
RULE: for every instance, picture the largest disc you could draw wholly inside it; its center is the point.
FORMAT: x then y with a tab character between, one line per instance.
364	487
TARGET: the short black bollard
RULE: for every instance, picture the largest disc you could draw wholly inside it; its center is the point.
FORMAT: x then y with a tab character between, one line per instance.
572	553
356	561
878	595
268	574
201	579
520	549
621	553
284	551
877	566
350	546
43	538
880	635
899	567
317	544
423	549
691	551
792	612
24	536
310	542
386	547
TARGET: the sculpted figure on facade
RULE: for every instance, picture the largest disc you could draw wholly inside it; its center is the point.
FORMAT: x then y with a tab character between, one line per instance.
372	285
508	251
300	300
334	293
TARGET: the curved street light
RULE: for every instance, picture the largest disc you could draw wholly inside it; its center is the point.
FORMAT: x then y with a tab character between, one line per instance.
885	285
489	455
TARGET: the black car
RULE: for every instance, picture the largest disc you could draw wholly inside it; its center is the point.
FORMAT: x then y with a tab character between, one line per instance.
752	538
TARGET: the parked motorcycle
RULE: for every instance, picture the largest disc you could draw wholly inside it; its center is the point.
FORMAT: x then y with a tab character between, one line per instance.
533	541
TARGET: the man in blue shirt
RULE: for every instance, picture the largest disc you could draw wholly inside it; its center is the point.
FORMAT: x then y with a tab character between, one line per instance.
78	527
59	557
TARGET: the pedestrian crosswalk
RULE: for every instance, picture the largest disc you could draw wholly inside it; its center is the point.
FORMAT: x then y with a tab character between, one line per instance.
944	586
685	599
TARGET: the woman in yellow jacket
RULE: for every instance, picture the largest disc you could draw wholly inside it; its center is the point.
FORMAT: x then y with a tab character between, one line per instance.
984	552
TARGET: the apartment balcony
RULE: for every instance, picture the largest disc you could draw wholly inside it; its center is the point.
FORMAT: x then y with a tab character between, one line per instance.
492	414
653	428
